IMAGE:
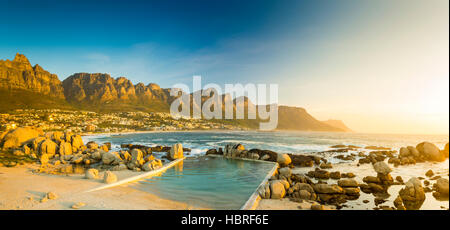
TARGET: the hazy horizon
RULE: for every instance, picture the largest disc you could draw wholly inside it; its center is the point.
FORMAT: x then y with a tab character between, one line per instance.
378	66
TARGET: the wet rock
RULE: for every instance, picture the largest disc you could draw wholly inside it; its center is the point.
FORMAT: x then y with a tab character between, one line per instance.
91	174
445	151
413	151
319	174
430	151
277	189
352	191
211	152
335	175
379	201
109	177
110	158
92	145
65	148
327	189
429	173
382	167
77	142
404	152
399	179
176	152
371	179
152	165
48	147
348	175
375	188
19	136
442	187
283	159
395	161
300	178
347	183
398	203
385	179
119	167
285	171
413	194
137	159
326	166
266	154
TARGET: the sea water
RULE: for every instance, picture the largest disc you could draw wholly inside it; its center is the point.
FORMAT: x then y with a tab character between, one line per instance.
213	184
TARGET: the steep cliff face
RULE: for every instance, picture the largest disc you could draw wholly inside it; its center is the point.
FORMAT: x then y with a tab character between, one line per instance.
98	89
18	74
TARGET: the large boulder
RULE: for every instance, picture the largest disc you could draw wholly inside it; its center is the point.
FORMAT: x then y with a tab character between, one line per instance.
176	152
382	168
110	158
442	187
48	147
109	177
77	142
413	151
327	189
285	172
152	165
20	136
412	194
36	143
277	189
137	159
347	183
283	159
92	145
91	174
58	136
404	152
430	151
65	148
445	151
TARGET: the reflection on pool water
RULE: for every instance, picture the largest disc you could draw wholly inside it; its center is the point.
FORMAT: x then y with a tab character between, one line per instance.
209	182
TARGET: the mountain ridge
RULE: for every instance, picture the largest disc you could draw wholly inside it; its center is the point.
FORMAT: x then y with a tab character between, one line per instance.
25	86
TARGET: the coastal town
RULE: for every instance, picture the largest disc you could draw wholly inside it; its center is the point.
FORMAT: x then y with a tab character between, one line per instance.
114	122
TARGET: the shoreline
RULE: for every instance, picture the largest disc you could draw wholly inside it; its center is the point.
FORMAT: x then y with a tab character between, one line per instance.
22	190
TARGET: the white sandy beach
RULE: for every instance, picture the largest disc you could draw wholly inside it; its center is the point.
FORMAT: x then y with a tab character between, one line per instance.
22	189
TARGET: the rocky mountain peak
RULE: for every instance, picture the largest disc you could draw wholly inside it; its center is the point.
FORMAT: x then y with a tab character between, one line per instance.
18	74
21	58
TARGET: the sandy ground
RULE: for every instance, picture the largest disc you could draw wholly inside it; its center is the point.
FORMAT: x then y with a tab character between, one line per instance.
22	189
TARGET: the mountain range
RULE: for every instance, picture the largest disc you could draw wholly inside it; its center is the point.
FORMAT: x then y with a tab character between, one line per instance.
25	86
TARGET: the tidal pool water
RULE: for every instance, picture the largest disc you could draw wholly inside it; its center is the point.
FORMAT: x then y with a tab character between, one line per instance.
209	182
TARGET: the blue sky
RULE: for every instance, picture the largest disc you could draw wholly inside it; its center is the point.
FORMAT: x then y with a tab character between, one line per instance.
354	60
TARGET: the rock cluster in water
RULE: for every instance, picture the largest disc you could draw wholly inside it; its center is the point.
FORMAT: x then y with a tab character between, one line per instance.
299	187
